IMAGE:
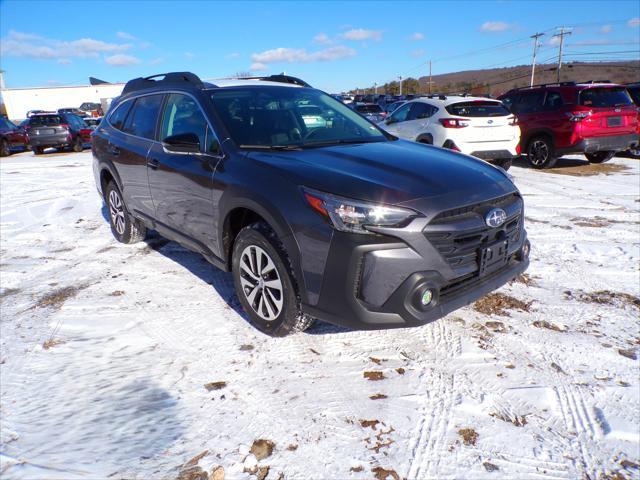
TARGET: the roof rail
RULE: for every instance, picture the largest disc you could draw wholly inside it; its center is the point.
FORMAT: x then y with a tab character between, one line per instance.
553	84
597	81
171	78
439	96
282	78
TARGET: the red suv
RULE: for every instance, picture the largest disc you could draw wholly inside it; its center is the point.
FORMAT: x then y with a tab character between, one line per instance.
596	119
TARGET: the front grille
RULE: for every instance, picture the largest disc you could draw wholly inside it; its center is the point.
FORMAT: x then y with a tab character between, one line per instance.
466	282
460	244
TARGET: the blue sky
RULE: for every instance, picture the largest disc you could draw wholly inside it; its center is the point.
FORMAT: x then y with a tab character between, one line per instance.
333	45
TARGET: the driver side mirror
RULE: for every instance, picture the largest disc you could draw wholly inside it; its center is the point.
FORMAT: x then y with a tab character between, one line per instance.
182	143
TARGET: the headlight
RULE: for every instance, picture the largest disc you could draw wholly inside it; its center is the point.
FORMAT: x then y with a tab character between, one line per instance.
354	216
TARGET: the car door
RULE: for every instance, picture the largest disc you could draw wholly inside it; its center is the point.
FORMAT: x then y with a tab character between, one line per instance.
395	122
16	135
418	120
129	148
181	184
528	108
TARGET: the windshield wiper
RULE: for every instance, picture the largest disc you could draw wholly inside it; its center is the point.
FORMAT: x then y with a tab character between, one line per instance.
338	142
273	147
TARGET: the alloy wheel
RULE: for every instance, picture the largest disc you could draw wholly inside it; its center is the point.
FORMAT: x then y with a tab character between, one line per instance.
539	152
116	210
261	283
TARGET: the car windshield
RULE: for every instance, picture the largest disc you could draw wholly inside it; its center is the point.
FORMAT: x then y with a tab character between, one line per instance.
605	97
45	120
369	108
478	109
273	117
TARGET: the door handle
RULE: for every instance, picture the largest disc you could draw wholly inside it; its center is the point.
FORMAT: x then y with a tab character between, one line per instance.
152	163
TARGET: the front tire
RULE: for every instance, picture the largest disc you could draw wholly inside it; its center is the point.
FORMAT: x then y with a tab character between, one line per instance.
78	145
38	150
265	284
599	157
125	228
541	153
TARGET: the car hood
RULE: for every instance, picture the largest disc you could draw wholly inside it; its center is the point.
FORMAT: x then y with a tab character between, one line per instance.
393	172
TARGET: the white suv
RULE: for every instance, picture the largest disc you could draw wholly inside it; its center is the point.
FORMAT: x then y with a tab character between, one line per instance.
477	126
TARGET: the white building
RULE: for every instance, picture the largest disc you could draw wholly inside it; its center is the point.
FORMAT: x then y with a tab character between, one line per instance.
18	101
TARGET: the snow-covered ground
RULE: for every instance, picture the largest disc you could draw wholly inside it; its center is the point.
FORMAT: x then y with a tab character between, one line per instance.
109	353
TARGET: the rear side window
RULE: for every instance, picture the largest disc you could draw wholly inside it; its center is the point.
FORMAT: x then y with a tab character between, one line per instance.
420	110
142	120
45	120
119	115
635	94
605	97
528	102
553	101
478	109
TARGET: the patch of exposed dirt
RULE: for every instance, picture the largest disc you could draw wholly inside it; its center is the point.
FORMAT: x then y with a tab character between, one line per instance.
52	342
500	304
374	376
603	297
517	420
588	169
384	474
191	471
628	353
377	361
496	327
400	370
550	326
262	472
247	347
116	293
369	423
357	469
215	386
262	448
469	436
292	447
525	279
58	297
378	396
380	440
490	467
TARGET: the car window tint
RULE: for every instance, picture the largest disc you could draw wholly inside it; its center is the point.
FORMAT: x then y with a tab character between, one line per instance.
46	120
400	115
183	115
553	101
141	122
420	111
529	102
212	143
117	118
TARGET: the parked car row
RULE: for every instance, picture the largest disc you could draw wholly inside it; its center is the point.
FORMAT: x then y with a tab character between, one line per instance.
542	122
44	130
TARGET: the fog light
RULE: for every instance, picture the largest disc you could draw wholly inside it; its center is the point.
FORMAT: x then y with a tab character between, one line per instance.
426	298
526	248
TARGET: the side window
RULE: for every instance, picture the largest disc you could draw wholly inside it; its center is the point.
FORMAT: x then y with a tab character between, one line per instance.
118	116
212	143
420	111
183	115
142	120
553	101
529	102
401	114
508	102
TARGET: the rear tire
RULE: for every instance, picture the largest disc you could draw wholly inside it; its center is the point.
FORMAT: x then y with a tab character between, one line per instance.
541	153
38	150
265	284
599	157
503	163
4	148
78	146
125	228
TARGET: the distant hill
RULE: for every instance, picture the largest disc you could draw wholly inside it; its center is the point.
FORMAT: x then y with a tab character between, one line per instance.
496	81
499	80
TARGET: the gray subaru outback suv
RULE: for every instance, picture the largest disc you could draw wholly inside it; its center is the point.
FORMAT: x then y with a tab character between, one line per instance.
326	217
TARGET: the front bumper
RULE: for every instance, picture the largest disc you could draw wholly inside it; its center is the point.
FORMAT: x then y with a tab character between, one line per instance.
377	282
615	143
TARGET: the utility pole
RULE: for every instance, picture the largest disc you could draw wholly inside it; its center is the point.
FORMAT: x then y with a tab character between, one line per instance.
375	88
535	50
561	35
430	76
400	78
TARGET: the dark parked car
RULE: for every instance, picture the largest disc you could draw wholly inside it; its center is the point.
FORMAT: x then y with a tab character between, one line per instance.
371	111
12	138
72	111
634	91
59	130
596	119
345	222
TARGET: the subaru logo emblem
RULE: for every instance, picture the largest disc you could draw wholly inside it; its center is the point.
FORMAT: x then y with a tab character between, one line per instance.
495	217
489	122
617	109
